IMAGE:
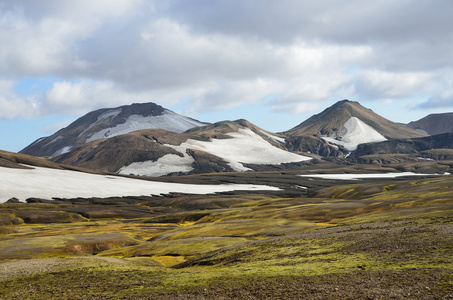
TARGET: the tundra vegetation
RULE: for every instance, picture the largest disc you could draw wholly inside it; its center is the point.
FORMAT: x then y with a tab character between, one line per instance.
314	239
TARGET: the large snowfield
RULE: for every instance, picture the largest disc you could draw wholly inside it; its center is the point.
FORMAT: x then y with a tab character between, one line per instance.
49	183
244	146
355	132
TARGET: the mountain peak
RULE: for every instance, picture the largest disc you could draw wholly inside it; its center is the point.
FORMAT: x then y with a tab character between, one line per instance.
331	121
110	122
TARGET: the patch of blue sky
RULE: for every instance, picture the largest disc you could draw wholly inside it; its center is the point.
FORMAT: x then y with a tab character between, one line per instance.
34	85
18	133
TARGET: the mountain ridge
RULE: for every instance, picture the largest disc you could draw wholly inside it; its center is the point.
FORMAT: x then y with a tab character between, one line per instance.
434	124
225	146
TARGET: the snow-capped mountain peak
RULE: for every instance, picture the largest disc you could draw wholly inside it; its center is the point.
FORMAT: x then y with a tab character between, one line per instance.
108	123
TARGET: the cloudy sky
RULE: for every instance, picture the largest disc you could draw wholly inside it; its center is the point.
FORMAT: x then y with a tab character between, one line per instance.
275	63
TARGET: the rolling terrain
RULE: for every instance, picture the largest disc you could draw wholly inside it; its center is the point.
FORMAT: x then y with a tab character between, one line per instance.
354	239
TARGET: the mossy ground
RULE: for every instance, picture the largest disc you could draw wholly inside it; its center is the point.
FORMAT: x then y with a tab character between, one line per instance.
382	239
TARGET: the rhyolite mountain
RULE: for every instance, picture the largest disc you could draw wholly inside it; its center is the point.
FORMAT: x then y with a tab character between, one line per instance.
434	124
108	123
340	128
228	146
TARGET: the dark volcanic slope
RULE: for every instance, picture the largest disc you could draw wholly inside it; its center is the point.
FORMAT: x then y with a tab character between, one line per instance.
23	161
333	118
109	122
416	145
434	124
109	155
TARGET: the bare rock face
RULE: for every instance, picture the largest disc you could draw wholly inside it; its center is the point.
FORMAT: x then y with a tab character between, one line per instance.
431	147
108	123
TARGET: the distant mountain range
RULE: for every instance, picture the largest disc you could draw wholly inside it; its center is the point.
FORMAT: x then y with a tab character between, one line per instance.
147	139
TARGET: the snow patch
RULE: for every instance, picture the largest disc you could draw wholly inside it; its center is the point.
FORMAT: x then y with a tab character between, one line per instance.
362	176
110	113
54	140
38	140
355	132
166	164
62	151
425	158
169	120
48	183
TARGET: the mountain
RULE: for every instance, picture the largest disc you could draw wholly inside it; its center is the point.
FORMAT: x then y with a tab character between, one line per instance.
221	147
343	126
108	123
434	124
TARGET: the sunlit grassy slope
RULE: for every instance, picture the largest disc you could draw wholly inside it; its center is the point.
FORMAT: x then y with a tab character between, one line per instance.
370	239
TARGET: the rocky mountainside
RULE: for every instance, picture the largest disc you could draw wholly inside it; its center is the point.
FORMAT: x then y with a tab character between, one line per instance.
220	147
434	124
108	123
342	127
435	147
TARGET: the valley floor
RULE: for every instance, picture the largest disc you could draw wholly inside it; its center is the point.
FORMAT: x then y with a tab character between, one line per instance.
369	239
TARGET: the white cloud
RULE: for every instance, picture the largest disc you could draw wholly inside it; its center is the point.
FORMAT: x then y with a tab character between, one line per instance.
221	54
14	106
83	96
378	84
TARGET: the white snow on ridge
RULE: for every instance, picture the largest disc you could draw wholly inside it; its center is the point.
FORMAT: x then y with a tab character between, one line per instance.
110	113
355	132
61	151
48	183
169	120
363	176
